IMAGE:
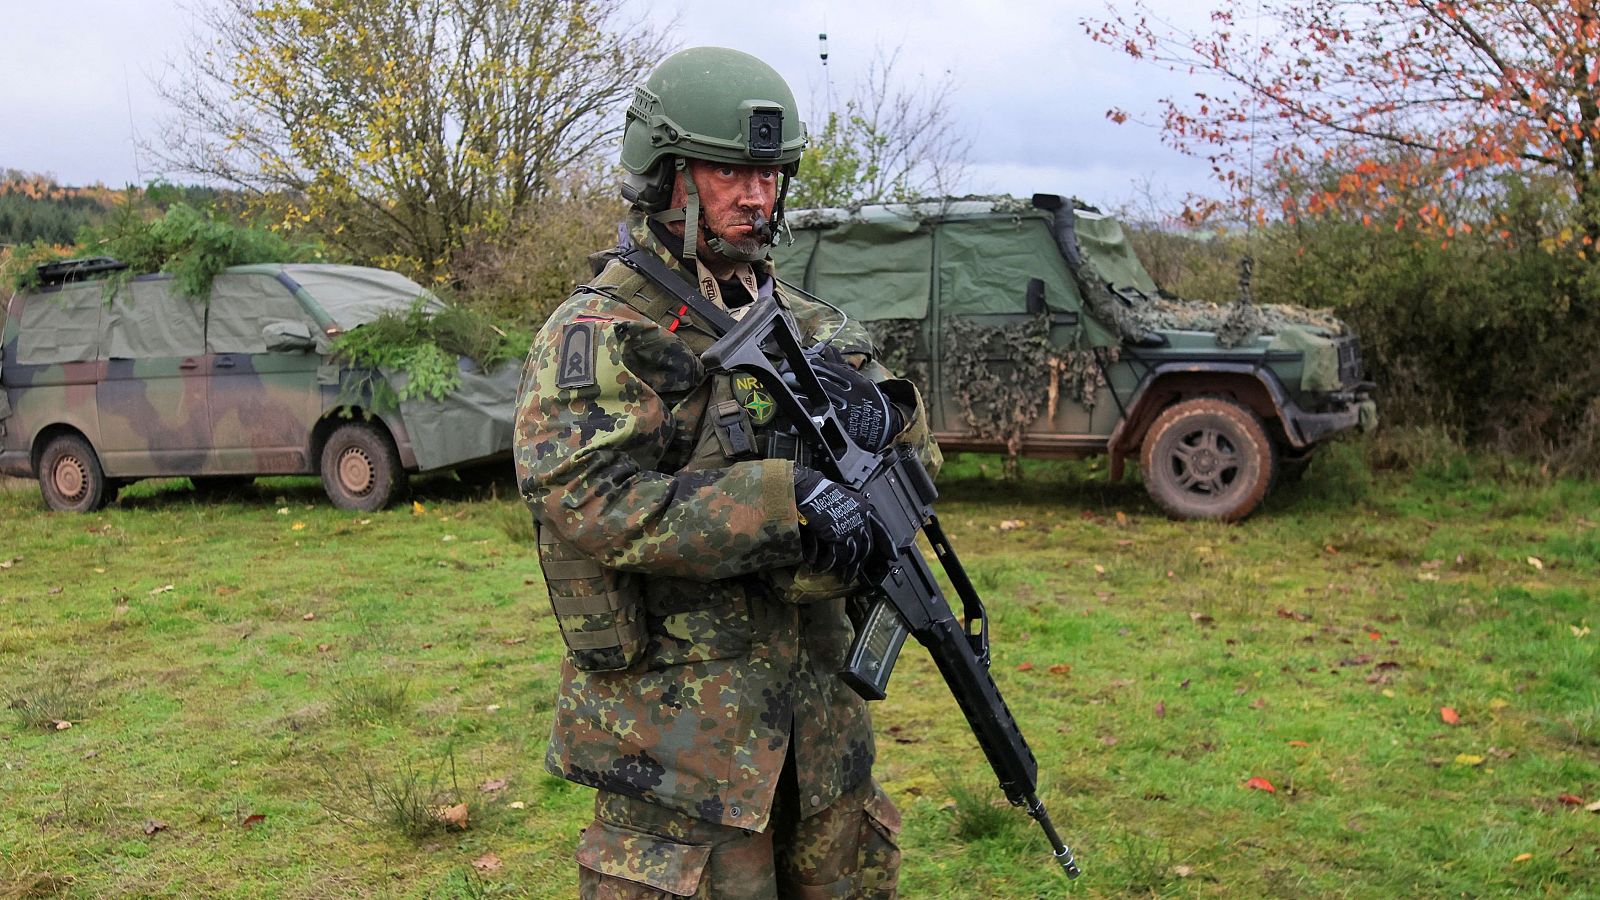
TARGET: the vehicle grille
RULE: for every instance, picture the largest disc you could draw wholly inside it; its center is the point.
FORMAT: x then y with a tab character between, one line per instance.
1349	360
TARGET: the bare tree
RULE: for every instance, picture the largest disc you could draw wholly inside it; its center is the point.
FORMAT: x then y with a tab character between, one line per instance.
888	143
401	127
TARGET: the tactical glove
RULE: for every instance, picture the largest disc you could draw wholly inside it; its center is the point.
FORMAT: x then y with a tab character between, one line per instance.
869	418
836	533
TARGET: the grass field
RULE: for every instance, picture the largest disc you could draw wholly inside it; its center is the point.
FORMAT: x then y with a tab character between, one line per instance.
270	697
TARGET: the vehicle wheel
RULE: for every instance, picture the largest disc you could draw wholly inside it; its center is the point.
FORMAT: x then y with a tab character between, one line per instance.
70	476
1208	458
210	487
360	468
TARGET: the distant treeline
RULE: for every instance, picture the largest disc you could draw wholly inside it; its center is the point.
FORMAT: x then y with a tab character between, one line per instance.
36	208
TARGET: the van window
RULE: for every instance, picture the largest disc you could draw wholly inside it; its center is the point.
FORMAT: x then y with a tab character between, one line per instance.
147	319
61	326
242	305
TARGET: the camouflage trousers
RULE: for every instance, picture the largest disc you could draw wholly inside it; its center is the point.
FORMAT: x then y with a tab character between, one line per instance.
639	851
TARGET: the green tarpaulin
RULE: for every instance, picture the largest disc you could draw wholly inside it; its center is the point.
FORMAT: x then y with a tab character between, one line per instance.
1107	255
61	326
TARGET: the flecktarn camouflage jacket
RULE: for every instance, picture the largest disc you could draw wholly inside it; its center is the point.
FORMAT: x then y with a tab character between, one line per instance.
626	450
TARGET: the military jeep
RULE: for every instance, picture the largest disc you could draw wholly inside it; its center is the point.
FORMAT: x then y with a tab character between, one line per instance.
103	382
1032	328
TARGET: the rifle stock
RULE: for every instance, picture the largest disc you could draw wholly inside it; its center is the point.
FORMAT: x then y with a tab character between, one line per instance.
910	602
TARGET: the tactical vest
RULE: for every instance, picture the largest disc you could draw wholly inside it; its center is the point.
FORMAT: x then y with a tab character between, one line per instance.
726	419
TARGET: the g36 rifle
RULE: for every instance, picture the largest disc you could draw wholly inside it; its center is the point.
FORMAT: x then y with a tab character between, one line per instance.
907	599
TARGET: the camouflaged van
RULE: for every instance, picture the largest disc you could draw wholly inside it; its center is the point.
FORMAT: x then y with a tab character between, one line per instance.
1032	327
98	391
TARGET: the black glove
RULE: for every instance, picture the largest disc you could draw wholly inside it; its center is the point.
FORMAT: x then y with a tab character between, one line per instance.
870	419
836	533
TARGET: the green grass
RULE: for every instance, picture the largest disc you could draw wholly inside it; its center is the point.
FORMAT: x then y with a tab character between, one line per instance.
346	675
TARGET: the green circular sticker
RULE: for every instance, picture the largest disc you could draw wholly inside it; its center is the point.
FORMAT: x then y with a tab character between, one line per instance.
754	398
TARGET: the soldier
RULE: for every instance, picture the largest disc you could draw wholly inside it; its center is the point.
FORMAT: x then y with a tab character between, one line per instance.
699	575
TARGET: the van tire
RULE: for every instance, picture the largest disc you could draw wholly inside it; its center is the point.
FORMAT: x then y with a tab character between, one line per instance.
70	477
1208	458
360	468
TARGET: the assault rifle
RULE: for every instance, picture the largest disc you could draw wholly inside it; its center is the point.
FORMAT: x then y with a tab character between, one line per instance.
907	598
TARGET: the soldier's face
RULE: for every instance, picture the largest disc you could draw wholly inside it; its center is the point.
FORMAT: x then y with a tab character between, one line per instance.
731	198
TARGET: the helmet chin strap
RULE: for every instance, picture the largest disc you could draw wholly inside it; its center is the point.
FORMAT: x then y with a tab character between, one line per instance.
765	230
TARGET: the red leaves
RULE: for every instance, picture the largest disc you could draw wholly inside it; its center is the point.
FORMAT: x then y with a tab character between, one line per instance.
1257	783
1449	716
1571	799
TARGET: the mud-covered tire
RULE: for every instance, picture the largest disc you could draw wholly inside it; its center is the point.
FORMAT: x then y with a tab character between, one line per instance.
360	467
70	477
1208	458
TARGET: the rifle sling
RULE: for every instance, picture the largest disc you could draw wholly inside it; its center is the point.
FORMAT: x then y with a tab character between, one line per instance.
707	315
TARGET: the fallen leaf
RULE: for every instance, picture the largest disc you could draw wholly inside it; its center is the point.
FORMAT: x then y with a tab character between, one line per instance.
283	511
1122	518
62	724
1260	784
1498	704
363	521
493	707
1060	669
452	816
298	526
1468	759
1099	569
308	617
516	640
7	563
1161	709
1593	807
324	648
1522	857
492	785
1298	744
1293	614
1331	549
1579	632
1432	564
1109	741
448	537
417	509
1182	871
1449	716
1374	635
1012	524
1025	667
1536	562
225	591
486	863
1570	800
252	820
517	804
161	590
1201	619
99	570
151	826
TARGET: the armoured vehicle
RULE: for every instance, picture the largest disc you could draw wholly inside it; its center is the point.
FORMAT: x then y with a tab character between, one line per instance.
1032	328
106	382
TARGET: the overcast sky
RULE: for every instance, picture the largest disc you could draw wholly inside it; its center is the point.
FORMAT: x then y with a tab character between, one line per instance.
1031	88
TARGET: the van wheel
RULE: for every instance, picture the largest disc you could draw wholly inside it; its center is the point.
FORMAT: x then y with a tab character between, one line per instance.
360	468
1208	458
70	476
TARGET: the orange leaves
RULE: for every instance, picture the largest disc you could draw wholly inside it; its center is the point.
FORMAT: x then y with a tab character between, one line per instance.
1257	783
1449	716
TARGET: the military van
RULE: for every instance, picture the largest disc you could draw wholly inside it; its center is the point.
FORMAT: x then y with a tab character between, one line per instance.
1033	329
106	382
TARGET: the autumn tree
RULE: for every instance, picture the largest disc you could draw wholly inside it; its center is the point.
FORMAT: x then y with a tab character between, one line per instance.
1405	100
402	128
889	142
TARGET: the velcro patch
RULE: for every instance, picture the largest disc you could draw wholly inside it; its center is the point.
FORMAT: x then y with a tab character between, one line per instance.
577	355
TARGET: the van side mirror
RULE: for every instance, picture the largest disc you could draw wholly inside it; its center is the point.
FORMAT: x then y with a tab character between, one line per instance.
288	337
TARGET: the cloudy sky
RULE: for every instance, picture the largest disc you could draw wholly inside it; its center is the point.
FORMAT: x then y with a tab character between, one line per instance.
1031	89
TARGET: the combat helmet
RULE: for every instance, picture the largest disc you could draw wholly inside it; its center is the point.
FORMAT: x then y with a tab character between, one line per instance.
713	104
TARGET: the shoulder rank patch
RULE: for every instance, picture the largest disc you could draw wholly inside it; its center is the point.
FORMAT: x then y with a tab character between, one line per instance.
577	355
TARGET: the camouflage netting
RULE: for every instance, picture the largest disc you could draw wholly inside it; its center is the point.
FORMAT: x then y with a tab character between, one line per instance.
1000	402
895	341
